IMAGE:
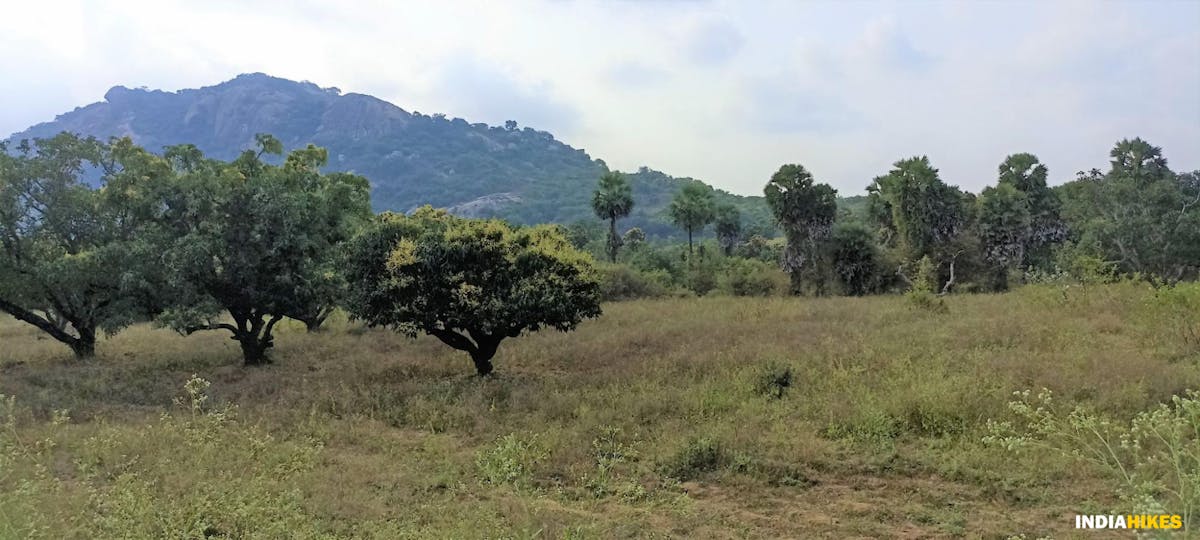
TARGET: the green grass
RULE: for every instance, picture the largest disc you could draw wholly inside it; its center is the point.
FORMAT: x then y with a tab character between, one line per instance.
711	417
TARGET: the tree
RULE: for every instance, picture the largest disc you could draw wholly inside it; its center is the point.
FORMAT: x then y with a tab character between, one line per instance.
635	238
921	216
805	211
75	260
341	210
251	239
729	227
924	214
855	259
1139	216
612	200
692	209
1005	229
1046	228
469	283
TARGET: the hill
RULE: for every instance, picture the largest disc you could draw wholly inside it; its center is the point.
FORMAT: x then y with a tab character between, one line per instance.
412	159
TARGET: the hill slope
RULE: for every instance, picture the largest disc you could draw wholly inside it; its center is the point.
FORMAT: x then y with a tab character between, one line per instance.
412	159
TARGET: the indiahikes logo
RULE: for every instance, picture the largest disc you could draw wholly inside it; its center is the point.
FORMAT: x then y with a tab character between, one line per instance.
1130	521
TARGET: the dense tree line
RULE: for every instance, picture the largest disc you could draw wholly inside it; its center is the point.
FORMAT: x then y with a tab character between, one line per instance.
195	243
915	231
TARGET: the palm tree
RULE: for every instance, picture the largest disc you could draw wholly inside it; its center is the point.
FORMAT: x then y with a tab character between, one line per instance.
613	200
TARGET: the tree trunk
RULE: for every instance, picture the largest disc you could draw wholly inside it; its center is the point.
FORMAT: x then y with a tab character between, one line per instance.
483	363
612	239
689	245
84	346
254	351
254	335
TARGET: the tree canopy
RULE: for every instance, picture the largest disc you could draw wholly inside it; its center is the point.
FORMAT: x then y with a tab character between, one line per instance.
692	209
805	211
469	283
612	200
75	260
253	240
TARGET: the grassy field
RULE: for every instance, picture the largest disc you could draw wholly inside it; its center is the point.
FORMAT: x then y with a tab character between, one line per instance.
700	418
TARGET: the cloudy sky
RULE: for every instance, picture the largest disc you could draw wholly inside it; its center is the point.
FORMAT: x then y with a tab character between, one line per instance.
721	91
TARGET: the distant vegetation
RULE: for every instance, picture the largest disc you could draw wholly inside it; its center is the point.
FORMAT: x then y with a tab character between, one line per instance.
516	173
681	415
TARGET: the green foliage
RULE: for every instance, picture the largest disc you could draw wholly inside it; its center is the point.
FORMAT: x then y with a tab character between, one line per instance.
76	260
1139	215
919	213
729	227
470	283
1005	228
692	209
772	380
622	282
806	212
856	260
612	200
1154	458
256	241
511	460
695	458
748	277
924	284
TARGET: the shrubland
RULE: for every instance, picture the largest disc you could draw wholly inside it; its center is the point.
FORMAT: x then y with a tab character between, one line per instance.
713	417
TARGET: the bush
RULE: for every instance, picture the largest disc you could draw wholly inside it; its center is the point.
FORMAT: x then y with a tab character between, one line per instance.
748	277
772	380
1154	458
696	457
509	461
621	282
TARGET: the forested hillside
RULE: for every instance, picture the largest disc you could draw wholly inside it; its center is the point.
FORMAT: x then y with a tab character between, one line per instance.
412	159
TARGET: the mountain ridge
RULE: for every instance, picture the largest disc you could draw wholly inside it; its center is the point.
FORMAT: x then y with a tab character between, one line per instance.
520	174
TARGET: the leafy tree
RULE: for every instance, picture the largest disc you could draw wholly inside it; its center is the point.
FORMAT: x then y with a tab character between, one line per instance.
76	260
1005	228
341	209
729	227
921	216
252	239
692	209
1139	216
612	200
855	259
469	283
1046	228
806	212
925	214
634	238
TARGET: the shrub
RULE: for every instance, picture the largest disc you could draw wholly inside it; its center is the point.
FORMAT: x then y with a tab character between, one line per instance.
621	282
510	460
1154	458
696	457
772	380
748	277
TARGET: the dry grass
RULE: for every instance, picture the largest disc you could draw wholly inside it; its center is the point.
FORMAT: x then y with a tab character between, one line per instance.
877	435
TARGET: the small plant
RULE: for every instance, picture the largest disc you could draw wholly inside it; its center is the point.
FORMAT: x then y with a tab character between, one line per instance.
510	460
1155	457
922	295
695	458
772	380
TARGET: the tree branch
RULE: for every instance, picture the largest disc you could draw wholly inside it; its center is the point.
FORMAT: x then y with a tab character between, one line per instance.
453	339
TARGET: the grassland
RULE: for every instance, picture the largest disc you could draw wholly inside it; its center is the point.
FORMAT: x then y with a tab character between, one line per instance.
663	418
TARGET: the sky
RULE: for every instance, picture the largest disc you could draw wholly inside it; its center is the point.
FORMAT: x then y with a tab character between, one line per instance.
721	91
